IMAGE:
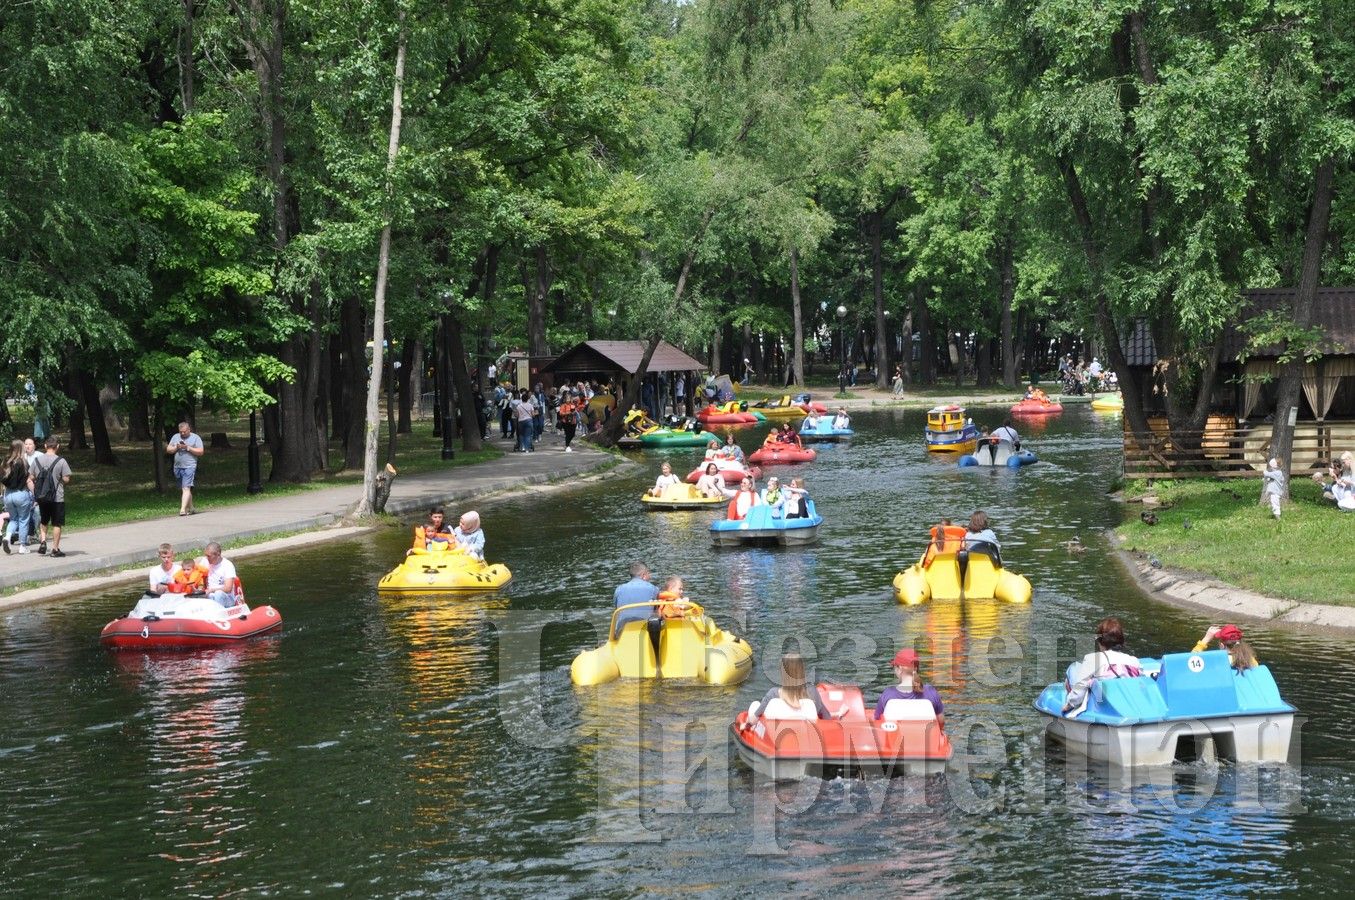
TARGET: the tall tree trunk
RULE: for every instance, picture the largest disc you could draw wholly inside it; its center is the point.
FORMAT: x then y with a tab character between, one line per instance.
353	332
465	396
103	448
1134	414
1006	295
390	409
402	383
797	354
138	413
1319	219
75	390
983	360
491	278
291	422
883	372
186	62
537	291
368	504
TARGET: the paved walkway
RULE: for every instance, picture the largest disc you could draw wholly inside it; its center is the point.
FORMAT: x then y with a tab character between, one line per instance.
116	546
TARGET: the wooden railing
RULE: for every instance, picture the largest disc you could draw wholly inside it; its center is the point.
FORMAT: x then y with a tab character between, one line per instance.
1225	450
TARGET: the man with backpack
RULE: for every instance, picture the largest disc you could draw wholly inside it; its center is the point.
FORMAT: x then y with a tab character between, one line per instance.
51	474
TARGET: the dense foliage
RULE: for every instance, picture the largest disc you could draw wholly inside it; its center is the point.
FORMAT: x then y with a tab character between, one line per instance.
193	192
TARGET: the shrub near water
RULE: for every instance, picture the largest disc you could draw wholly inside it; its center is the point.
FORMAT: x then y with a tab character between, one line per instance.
1218	528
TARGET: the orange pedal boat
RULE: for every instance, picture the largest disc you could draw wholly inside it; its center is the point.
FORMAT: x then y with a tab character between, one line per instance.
786	743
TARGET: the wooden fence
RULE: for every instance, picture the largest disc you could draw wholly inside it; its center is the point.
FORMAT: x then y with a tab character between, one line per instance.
1227	450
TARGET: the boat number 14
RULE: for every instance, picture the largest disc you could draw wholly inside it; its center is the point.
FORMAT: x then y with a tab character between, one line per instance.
1195	664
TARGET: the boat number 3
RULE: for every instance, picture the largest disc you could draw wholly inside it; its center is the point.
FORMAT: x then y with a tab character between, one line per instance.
1195	664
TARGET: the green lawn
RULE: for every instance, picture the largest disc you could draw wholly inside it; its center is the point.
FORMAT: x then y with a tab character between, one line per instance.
108	495
1219	529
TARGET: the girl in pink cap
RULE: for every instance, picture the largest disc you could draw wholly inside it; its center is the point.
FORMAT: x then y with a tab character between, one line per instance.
1230	638
910	686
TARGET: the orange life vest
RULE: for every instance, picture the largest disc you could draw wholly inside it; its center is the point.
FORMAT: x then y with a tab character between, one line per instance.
669	608
739	506
949	541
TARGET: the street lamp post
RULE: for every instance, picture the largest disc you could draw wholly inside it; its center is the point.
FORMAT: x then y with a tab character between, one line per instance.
842	341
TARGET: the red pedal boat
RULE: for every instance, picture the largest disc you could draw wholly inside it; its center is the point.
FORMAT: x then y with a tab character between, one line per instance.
1037	408
731	471
773	454
713	415
786	743
184	620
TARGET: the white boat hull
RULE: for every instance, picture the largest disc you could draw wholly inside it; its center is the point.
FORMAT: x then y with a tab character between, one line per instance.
1262	738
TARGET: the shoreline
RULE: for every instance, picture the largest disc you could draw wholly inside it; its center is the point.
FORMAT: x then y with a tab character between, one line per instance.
322	529
1186	589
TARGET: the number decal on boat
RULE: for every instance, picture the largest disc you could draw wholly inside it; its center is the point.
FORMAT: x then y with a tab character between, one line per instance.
1195	664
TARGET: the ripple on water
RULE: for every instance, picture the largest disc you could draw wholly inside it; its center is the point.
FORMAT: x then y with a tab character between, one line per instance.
376	744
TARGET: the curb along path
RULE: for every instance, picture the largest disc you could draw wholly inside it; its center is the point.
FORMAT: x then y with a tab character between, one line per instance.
114	546
1188	588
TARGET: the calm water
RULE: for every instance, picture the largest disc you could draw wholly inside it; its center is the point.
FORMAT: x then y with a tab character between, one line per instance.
437	746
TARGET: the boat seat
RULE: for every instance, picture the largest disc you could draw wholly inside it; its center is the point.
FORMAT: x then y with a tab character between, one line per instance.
909	709
779	710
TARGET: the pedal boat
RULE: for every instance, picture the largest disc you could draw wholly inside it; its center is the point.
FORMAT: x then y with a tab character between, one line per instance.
782	408
824	432
997	454
1110	402
440	571
682	496
690	647
786	743
760	526
949	572
649	433
180	621
780	453
949	431
732	472
728	414
1197	707
1035	407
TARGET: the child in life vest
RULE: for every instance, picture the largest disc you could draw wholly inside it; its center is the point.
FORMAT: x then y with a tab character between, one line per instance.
672	603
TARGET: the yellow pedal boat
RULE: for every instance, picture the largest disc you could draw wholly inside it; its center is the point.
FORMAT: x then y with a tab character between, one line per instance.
441	571
940	575
1109	402
682	496
689	647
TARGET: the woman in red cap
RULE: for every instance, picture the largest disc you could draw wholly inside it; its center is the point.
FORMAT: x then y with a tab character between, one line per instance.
910	686
1230	638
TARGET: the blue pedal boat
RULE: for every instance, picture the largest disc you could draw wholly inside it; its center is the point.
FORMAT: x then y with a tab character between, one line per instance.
824	432
760	526
996	454
1199	697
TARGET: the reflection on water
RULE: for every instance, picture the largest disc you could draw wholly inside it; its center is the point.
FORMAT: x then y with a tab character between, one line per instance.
395	745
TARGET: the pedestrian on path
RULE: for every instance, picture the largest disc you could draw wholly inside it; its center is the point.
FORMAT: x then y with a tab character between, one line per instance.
18	481
187	450
51	475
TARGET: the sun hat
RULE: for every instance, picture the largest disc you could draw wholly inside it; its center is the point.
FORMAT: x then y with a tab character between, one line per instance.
905	657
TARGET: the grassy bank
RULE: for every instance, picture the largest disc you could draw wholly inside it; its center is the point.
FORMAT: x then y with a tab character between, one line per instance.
108	495
1219	529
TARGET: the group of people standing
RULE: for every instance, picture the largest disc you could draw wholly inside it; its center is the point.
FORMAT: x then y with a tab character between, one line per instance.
35	495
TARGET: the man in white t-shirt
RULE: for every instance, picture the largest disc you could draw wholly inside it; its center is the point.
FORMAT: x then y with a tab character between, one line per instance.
222	582
162	573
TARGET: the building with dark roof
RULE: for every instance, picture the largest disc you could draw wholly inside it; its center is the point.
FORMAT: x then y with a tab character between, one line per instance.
1247	377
